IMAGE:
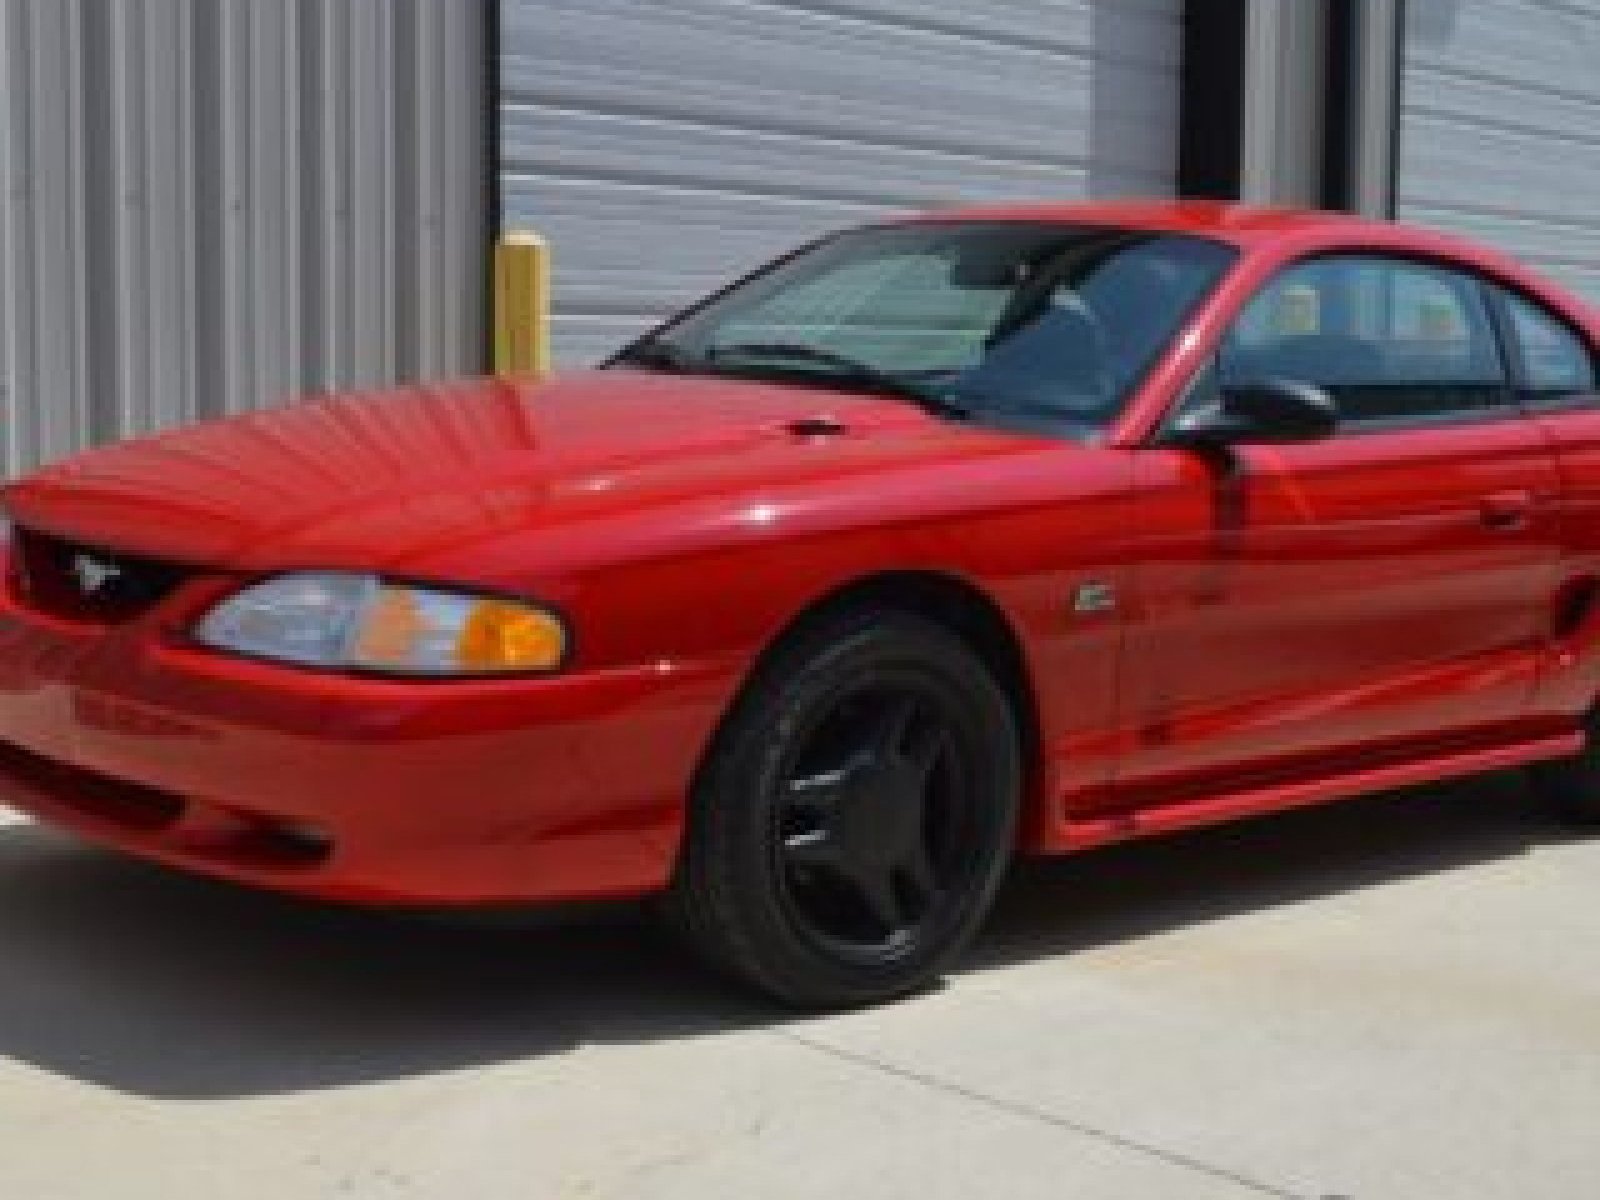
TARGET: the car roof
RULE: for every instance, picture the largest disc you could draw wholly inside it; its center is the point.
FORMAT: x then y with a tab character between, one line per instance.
1237	223
1251	227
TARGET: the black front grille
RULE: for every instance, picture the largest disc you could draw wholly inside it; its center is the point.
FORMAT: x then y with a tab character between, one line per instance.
68	579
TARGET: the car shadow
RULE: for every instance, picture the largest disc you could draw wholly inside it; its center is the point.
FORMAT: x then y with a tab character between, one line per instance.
160	985
1057	906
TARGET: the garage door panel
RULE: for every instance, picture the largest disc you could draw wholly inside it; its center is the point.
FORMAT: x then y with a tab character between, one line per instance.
716	133
1525	43
1500	128
1130	30
963	121
732	66
1489	169
586	145
1443	95
1135	33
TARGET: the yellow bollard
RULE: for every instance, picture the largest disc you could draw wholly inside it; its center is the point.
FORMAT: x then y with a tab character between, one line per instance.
521	304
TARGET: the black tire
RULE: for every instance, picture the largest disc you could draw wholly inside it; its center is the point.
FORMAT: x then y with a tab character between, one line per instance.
836	732
1571	786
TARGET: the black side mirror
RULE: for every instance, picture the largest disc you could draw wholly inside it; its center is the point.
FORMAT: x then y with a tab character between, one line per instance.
1268	411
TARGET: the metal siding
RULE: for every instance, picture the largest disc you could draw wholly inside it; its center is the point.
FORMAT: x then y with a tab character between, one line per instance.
663	146
207	206
1500	128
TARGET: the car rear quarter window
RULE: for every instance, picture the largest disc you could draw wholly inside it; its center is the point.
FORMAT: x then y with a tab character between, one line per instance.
1558	365
1394	341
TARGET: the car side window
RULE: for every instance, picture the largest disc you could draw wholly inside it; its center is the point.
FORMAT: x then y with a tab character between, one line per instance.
1557	364
1393	341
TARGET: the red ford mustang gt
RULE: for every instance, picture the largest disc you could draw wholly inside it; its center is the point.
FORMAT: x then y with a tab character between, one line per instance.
1027	529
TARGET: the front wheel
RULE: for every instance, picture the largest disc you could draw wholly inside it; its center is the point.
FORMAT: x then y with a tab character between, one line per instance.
855	817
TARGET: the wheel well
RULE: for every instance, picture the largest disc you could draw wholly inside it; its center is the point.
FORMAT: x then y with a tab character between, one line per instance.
960	607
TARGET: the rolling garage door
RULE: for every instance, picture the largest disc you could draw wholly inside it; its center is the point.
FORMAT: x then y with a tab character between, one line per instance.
662	145
1500	128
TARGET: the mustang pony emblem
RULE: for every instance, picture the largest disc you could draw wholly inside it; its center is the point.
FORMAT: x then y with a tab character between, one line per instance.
93	574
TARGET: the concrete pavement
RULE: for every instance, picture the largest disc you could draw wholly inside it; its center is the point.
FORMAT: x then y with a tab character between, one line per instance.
1394	998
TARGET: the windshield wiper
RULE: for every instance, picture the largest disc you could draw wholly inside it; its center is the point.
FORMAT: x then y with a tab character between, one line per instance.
848	372
659	355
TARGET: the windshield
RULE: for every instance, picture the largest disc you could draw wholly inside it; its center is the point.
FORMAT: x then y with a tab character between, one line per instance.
972	320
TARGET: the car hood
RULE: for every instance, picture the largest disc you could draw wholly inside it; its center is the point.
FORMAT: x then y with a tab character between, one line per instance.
411	479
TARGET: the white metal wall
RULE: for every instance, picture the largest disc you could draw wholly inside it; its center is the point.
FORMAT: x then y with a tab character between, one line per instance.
664	144
1500	128
208	205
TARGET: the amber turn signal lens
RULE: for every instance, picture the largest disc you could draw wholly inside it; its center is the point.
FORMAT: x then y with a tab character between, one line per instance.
503	636
415	630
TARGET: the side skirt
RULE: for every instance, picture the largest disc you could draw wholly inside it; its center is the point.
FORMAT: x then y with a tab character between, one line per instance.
1102	829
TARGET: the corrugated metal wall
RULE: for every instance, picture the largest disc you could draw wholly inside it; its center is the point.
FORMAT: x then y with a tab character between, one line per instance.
1500	128
209	205
664	144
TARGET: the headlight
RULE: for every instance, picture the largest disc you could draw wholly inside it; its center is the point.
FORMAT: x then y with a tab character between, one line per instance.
331	619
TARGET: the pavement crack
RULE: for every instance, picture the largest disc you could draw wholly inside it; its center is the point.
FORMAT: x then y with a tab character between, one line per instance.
1043	1116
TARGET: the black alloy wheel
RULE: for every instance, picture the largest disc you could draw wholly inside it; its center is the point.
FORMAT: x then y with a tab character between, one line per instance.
855	817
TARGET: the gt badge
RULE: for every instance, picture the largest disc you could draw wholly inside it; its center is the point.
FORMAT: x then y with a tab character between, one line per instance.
1091	598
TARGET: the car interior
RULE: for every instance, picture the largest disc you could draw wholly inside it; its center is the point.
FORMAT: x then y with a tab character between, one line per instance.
1390	341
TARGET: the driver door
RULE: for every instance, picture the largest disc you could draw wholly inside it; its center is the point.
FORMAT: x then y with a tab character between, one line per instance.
1307	609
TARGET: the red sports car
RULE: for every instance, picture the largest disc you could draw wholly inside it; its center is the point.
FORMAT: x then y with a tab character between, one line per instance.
1022	529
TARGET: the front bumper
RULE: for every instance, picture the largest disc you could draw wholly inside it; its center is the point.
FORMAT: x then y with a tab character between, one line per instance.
351	789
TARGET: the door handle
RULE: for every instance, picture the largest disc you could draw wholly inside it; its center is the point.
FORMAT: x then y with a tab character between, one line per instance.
1506	510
